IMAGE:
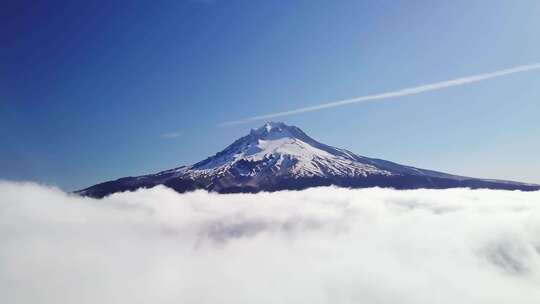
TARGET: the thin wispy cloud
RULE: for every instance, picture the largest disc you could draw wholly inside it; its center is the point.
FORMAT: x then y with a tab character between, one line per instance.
393	94
172	135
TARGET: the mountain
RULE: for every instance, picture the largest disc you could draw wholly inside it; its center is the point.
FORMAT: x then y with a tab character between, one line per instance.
278	157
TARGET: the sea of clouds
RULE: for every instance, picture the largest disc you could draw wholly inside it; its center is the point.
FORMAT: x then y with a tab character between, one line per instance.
321	245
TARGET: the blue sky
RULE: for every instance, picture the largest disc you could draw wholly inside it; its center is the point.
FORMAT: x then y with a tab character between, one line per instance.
93	91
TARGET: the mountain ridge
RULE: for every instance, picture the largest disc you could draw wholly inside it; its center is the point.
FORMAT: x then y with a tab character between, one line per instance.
277	156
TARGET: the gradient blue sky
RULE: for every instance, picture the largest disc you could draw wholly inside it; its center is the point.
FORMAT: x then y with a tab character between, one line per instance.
94	91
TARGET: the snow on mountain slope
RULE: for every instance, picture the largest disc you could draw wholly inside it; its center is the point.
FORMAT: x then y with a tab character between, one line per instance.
277	156
283	150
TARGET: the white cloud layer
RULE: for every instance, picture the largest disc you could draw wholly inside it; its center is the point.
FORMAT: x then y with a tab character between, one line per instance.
323	245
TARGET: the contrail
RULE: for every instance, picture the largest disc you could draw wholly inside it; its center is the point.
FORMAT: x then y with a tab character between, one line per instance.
399	93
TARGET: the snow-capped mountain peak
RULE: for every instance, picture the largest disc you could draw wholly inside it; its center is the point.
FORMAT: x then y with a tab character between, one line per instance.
276	130
283	150
276	127
276	156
